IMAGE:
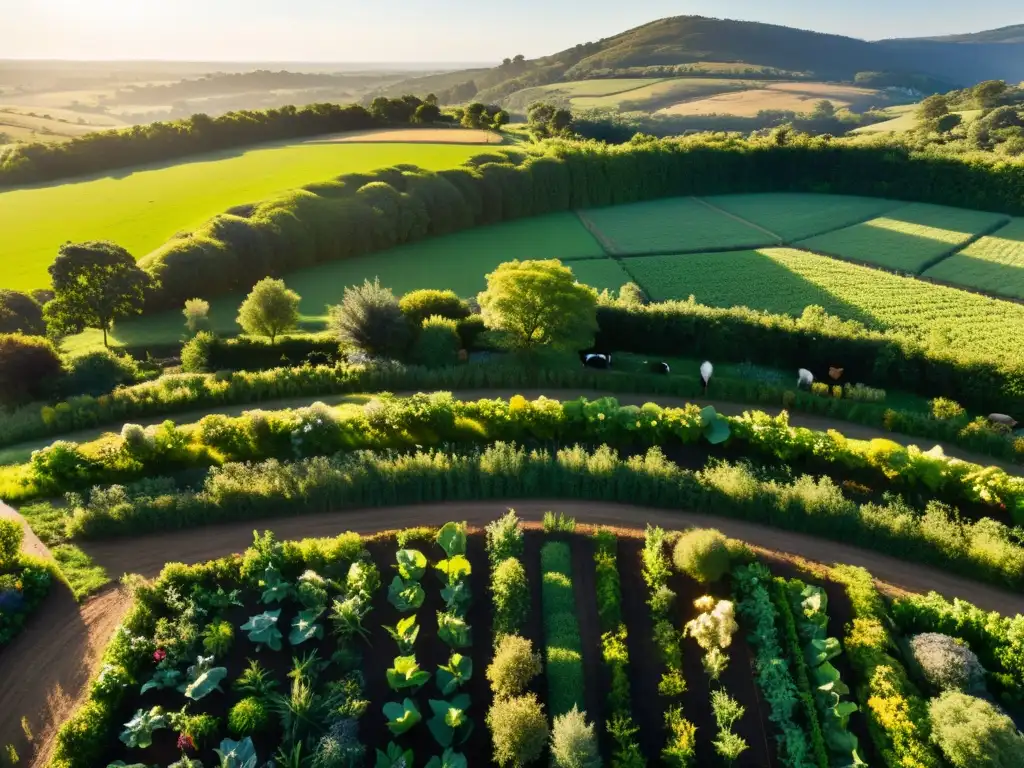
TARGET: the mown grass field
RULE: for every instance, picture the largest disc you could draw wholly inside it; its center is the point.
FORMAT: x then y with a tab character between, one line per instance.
799	216
673	224
909	239
142	208
905	119
787	280
459	262
994	263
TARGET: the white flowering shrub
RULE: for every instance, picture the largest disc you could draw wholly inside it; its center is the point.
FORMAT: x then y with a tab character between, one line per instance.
946	664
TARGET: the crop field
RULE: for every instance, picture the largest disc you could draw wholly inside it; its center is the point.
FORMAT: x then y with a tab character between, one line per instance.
661	93
142	208
905	119
787	280
994	264
798	216
21	123
673	224
566	94
795	97
909	239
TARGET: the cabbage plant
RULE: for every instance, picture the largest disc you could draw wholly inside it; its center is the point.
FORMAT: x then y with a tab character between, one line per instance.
450	759
450	723
401	716
138	732
263	630
455	674
237	754
406	673
304	627
405	595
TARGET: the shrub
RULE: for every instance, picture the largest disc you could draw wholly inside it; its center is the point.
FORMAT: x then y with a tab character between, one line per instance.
195	353
519	730
270	309
20	313
29	367
437	344
972	733
504	538
573	742
197	315
945	409
513	667
417	306
702	554
247	717
681	746
511	596
946	664
98	372
370	320
632	295
11	536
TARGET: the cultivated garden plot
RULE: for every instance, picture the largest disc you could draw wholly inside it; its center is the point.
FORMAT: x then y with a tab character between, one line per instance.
910	239
787	280
519	644
678	224
794	216
994	264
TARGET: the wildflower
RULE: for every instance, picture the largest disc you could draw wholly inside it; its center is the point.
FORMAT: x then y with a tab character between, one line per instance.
600	417
186	742
159	655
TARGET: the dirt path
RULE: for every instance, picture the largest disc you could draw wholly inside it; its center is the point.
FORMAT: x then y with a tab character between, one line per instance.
21	452
45	670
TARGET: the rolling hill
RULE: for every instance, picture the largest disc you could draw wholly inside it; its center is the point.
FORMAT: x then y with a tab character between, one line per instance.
671	47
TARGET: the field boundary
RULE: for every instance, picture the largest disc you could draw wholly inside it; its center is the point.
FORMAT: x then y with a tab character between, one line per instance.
953	252
738	218
609	245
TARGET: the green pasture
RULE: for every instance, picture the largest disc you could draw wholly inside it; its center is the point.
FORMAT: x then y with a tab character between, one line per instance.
787	280
994	264
659	93
673	224
906	119
794	216
458	262
909	239
142	208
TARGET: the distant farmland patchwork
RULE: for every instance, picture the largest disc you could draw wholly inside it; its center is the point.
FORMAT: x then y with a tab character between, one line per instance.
793	97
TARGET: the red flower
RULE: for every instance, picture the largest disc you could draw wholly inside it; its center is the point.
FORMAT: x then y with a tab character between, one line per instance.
159	655
185	742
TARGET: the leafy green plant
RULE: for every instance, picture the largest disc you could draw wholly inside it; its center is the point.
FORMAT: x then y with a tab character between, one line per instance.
714	426
202	679
401	716
454	569
218	637
412	564
347	616
558	523
163	677
405	595
305	628
406	673
519	730
263	630
138	732
450	759
513	666
453	631
457	598
275	589
237	754
574	742
405	633
504	538
247	717
452	539
455	674
681	746
394	757
255	680
450	724
511	596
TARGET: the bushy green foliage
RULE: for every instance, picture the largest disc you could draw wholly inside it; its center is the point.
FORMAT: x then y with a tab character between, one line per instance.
971	732
574	742
417	306
519	730
946	664
563	646
249	716
680	749
11	536
270	309
944	408
513	666
99	372
437	345
511	595
504	538
20	313
702	554
369	319
29	368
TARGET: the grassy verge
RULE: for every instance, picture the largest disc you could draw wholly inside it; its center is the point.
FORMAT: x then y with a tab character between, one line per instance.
74	567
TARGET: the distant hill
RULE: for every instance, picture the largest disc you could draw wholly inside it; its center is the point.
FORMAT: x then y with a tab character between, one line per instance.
660	47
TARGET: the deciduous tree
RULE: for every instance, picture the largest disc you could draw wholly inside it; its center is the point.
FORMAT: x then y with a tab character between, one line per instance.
933	107
270	309
94	284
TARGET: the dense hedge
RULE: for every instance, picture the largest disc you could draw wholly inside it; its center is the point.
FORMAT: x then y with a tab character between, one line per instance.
241	492
177	394
438	419
815	341
363	213
106	150
207	352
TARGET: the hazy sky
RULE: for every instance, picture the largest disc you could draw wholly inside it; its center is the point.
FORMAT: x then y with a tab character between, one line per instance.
427	30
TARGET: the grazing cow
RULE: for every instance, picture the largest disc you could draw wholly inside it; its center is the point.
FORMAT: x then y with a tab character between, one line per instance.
706	369
836	373
597	360
1002	420
659	367
804	379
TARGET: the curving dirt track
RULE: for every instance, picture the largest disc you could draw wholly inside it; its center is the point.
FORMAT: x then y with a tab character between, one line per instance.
44	672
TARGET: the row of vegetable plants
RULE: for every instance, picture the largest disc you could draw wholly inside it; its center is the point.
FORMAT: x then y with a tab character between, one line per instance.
434	419
563	660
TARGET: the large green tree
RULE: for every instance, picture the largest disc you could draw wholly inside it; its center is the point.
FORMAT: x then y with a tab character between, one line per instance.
270	309
534	304
94	284
933	107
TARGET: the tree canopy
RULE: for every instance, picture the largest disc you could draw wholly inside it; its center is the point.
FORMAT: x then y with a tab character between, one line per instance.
270	309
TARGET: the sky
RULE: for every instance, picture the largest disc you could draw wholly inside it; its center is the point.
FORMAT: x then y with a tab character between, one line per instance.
427	30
